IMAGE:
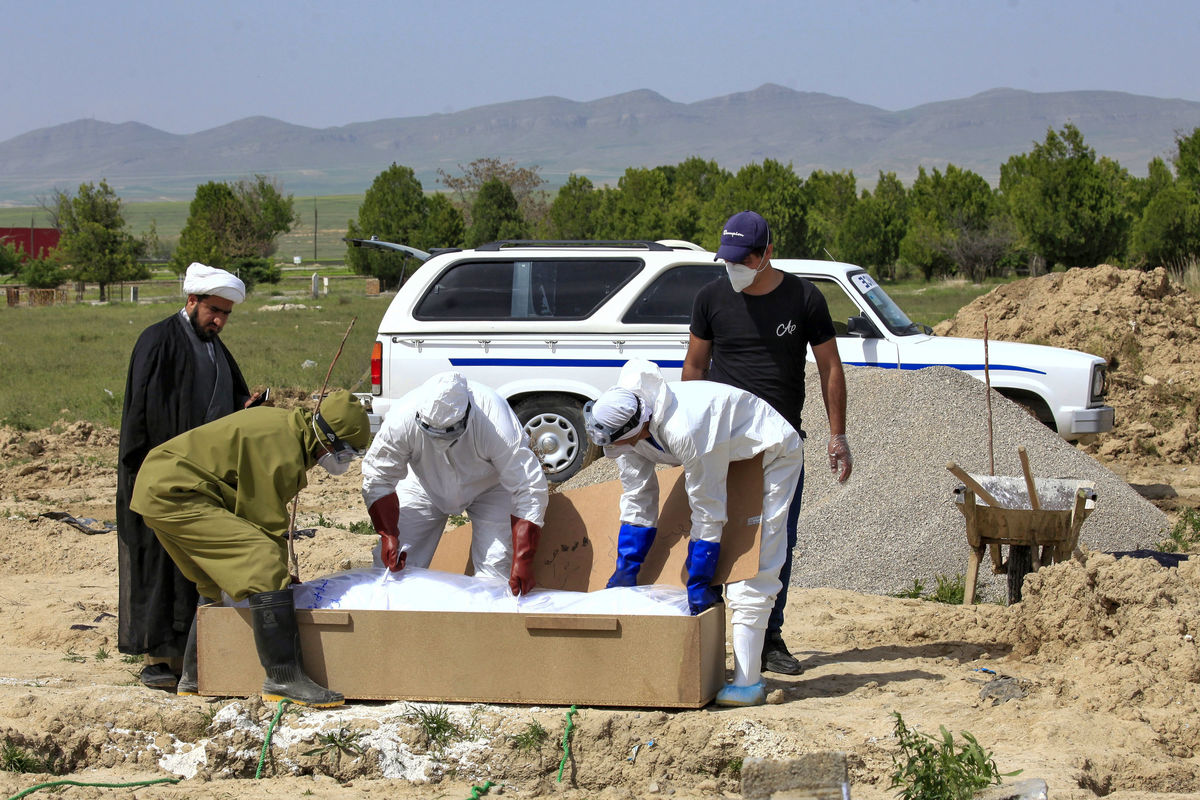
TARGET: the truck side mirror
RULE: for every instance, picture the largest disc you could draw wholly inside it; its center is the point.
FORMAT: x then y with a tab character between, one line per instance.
861	326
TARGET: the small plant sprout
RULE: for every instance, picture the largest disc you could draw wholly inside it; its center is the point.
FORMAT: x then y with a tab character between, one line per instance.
14	758
436	725
531	738
335	743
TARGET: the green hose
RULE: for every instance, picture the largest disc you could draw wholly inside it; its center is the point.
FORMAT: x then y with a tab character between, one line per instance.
33	789
566	746
478	790
267	739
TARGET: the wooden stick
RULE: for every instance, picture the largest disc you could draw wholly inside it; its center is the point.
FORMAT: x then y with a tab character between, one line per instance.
972	484
291	531
987	393
1033	497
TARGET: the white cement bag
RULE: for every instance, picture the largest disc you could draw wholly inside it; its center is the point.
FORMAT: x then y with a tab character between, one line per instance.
416	589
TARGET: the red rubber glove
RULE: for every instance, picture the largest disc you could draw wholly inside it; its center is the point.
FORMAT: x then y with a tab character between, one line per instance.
525	537
385	516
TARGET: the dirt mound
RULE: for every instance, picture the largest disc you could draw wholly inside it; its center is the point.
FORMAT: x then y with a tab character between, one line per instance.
1145	325
1123	632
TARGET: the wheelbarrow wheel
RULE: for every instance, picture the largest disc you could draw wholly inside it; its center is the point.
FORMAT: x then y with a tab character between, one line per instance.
1020	564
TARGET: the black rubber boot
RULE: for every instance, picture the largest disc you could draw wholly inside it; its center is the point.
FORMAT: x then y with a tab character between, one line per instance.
188	682
277	637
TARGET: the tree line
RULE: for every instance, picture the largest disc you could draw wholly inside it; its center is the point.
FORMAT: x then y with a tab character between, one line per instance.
1057	205
230	225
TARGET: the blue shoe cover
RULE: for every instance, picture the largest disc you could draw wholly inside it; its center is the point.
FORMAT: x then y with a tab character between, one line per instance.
753	695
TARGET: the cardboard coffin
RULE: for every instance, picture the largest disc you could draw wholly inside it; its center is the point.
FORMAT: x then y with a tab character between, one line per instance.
554	659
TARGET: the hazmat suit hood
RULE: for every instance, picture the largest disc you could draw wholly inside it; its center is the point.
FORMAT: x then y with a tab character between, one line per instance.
646	380
444	400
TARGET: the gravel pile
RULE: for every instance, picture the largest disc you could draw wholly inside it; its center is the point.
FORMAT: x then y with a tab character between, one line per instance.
895	520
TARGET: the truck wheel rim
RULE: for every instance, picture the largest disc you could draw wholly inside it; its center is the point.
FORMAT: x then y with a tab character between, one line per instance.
554	440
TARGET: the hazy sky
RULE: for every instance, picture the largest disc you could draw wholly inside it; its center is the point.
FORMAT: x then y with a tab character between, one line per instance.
185	67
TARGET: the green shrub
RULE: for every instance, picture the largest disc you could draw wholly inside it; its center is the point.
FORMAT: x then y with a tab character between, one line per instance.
254	271
937	768
42	273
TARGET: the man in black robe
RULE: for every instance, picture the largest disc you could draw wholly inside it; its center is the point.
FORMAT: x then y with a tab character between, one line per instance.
180	377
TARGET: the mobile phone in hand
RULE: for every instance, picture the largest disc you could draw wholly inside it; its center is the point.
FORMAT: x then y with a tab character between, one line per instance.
262	398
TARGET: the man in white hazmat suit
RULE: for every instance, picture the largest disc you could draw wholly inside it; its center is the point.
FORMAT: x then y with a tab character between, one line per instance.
453	445
703	426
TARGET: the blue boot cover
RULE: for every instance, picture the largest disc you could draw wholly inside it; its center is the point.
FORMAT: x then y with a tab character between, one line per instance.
633	542
701	566
752	695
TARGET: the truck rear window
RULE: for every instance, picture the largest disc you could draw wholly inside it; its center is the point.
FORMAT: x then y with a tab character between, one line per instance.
670	297
542	289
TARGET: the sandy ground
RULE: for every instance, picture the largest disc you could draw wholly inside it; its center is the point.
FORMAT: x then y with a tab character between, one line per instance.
1091	683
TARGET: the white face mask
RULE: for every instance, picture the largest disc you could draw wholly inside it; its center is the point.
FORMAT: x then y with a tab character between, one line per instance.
329	462
740	276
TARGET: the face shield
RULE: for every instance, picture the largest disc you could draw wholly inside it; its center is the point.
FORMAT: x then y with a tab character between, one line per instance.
337	450
605	430
446	433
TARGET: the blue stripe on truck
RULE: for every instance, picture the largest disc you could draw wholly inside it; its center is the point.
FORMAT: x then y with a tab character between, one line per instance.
553	362
963	367
671	363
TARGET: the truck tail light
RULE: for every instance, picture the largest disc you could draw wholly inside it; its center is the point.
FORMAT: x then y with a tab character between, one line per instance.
377	369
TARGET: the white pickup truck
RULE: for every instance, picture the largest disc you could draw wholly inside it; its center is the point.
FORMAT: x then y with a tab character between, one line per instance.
549	324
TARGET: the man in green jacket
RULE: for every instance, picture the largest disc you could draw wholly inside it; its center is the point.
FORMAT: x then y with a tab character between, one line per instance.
216	497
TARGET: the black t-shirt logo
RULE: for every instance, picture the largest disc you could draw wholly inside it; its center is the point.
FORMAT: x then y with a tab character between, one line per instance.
785	328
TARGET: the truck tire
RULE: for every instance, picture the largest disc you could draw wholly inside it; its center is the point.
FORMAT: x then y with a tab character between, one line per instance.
1020	564
554	423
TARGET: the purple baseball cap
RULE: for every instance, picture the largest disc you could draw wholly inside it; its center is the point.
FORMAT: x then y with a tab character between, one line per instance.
743	232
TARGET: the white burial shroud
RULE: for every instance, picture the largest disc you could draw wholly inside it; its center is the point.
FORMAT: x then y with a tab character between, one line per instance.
416	589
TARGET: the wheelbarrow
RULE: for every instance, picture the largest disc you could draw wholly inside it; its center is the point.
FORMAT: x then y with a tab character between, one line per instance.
1039	521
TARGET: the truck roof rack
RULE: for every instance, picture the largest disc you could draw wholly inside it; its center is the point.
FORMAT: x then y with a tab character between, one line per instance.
641	244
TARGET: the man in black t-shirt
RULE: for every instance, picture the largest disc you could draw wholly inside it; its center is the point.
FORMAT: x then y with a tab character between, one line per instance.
752	330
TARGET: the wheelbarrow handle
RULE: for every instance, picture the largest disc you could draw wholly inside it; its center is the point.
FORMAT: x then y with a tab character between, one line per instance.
972	484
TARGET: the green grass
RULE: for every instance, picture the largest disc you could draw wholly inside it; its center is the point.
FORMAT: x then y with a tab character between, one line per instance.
1185	535
949	590
69	362
930	303
14	758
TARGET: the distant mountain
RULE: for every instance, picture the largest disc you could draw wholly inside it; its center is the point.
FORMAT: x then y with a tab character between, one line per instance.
598	139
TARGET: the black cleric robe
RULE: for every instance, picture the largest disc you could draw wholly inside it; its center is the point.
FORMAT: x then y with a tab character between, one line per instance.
175	383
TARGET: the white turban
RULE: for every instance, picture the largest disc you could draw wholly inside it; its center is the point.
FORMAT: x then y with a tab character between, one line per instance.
203	279
445	400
